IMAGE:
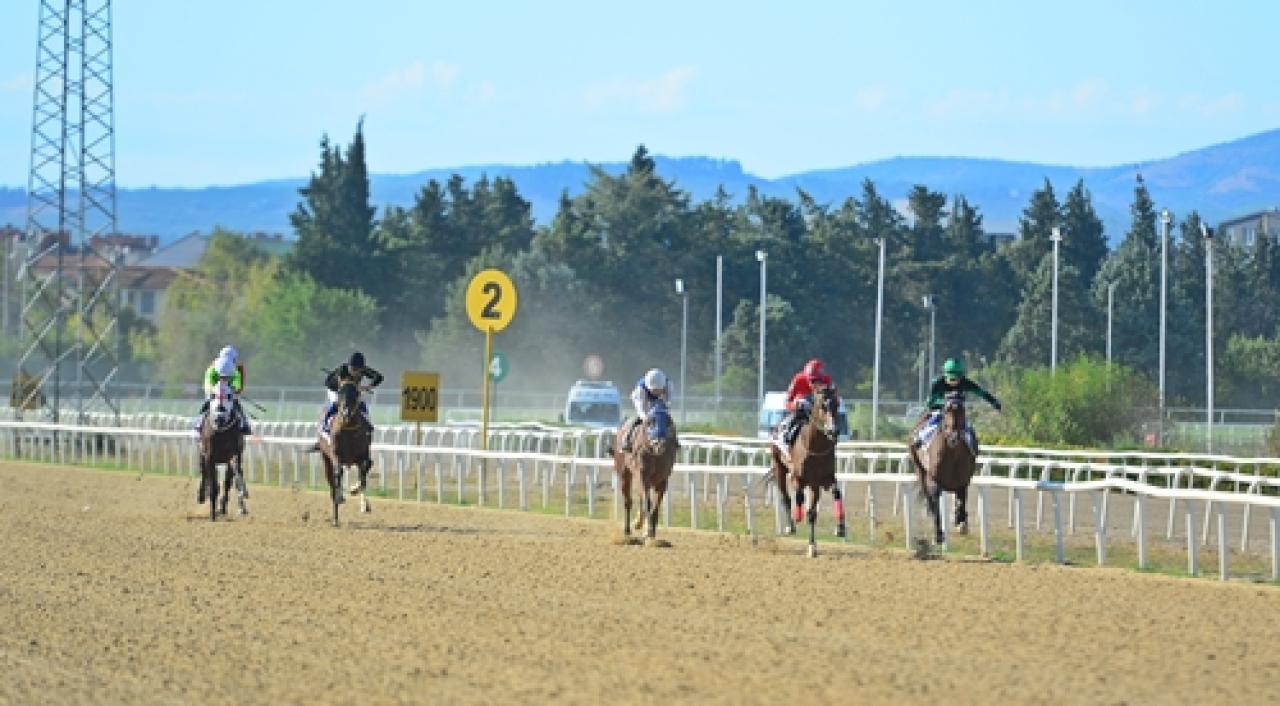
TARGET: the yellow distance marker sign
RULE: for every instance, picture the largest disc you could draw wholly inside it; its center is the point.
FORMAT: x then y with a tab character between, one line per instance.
420	397
491	301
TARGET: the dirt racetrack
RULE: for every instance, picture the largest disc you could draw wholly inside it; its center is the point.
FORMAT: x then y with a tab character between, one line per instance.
115	590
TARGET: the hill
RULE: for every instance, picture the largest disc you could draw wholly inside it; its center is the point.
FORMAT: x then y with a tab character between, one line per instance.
1220	181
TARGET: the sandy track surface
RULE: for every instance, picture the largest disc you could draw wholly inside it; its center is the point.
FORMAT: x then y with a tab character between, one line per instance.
114	588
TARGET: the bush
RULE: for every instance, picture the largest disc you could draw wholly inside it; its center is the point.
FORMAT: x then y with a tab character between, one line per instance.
1086	402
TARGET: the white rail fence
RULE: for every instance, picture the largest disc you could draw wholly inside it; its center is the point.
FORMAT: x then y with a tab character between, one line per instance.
553	461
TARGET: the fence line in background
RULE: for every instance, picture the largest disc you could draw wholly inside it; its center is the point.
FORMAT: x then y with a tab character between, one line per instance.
542	458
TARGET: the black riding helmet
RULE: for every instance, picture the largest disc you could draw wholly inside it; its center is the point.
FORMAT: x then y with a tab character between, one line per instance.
356	361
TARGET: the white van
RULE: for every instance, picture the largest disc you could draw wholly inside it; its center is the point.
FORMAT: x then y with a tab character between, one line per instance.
593	403
775	408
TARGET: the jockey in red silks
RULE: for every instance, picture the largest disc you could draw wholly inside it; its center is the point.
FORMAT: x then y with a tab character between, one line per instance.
799	399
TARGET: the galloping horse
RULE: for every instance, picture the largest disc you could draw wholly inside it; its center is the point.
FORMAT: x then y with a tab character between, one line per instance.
221	441
649	464
812	466
948	464
347	445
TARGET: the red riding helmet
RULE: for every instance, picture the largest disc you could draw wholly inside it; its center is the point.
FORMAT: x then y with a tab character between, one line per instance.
813	369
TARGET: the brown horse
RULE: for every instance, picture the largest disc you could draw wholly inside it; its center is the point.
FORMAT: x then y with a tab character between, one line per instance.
347	445
649	464
221	442
948	464
812	465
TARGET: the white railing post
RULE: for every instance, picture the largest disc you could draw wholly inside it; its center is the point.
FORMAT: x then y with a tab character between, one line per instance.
1189	509
1222	542
983	547
1059	540
1019	543
1100	527
1140	525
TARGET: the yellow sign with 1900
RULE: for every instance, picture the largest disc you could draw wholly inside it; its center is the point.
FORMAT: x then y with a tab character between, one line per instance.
420	397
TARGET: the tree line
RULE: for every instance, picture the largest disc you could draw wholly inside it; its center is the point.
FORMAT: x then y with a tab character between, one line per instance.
599	279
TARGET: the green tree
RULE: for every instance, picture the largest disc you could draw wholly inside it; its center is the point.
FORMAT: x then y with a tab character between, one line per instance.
1028	342
1035	229
1185	355
1134	267
208	308
1084	245
302	328
334	222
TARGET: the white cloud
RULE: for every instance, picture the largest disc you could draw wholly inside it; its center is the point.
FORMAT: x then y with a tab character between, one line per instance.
19	83
438	77
871	99
663	95
1213	106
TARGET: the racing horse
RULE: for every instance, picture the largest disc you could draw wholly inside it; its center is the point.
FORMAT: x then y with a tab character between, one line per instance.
347	444
648	465
221	442
812	465
947	464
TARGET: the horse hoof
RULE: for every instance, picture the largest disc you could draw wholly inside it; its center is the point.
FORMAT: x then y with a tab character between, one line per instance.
813	551
940	539
355	488
962	528
842	532
788	531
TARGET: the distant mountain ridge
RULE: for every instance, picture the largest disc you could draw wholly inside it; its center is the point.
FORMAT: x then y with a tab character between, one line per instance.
1220	181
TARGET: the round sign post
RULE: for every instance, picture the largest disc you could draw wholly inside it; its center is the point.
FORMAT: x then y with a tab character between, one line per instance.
491	304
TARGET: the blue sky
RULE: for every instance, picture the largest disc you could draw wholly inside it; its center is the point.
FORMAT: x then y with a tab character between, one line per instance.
241	90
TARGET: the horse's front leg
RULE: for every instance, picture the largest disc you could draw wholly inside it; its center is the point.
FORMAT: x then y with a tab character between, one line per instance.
813	520
363	470
658	491
837	503
962	510
202	488
228	477
935	496
624	487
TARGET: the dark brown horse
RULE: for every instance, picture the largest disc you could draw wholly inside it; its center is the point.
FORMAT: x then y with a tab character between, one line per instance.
347	445
947	464
221	442
812	465
649	465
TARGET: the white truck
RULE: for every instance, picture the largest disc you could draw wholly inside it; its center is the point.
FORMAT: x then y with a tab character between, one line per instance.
593	403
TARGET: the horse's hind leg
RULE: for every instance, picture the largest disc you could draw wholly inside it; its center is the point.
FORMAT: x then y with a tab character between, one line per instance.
962	510
784	497
241	488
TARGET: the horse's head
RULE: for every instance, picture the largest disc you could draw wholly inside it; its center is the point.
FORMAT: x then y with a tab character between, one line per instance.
953	415
660	431
826	408
222	405
348	404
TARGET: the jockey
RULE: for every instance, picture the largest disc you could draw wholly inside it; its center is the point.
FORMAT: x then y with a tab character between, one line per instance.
799	399
353	370
648	390
953	380
226	365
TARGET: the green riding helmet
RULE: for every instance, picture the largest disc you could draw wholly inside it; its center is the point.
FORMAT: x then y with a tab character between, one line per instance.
953	368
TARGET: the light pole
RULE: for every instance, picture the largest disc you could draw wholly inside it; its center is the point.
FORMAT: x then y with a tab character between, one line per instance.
930	305
1165	219
763	257
719	289
1208	331
684	333
1053	327
875	383
1111	298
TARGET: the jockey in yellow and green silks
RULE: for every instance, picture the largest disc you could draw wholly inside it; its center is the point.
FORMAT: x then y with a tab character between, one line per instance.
225	365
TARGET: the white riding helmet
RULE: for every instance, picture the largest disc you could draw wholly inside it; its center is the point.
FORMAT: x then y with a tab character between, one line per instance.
655	380
229	352
225	366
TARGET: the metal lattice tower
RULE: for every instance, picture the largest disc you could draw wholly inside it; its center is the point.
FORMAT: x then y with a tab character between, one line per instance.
70	275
